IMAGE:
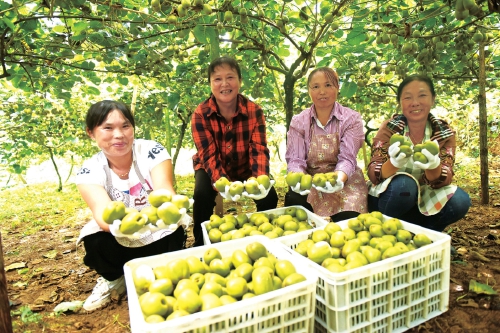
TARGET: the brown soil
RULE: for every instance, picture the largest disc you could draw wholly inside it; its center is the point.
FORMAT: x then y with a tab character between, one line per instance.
59	275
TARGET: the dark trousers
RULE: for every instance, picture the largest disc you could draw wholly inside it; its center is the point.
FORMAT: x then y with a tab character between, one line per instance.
204	202
107	257
400	199
295	199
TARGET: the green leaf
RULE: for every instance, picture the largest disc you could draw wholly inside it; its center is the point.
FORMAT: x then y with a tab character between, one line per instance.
65	95
29	25
23	271
325	7
201	33
92	90
96	37
51	254
480	288
9	23
173	99
339	33
348	89
88	65
123	80
283	52
79	27
323	52
324	62
96	25
356	36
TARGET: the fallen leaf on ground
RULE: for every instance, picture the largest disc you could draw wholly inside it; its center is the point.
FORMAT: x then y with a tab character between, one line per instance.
54	254
468	303
478	256
481	288
15	265
68	306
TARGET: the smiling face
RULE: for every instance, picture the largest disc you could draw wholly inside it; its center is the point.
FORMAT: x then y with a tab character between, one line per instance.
115	135
416	101
323	91
225	84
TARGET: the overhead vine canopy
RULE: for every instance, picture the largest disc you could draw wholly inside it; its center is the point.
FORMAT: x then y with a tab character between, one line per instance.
53	43
63	54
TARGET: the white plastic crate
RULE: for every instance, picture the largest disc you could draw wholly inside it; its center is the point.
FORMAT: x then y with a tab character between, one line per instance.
314	220
289	309
391	295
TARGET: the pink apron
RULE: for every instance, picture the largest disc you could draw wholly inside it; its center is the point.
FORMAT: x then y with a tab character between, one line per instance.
322	157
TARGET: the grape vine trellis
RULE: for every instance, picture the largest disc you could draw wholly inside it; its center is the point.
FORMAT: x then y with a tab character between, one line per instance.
70	52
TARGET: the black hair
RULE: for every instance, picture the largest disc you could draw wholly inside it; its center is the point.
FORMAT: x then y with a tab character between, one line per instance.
330	74
416	77
224	61
98	112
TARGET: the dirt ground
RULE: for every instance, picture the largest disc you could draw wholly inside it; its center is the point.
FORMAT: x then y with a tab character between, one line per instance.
59	275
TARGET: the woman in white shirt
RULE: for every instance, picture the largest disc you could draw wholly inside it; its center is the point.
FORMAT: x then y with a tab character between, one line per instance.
126	169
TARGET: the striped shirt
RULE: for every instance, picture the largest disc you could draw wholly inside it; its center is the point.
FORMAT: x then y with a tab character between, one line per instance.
343	120
236	149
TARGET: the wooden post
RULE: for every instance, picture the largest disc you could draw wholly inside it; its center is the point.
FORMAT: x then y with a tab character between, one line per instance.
483	128
219	205
5	320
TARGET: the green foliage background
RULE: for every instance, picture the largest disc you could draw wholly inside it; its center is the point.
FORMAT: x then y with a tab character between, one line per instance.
57	57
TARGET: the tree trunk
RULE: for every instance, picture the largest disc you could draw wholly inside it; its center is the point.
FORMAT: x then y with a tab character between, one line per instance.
483	128
134	101
289	94
5	320
182	133
52	158
168	140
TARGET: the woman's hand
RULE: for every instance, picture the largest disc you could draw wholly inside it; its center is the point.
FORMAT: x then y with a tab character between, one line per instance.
433	161
263	192
397	158
296	189
96	198
329	188
226	195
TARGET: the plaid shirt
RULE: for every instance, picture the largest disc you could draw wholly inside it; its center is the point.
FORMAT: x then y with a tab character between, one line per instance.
236	149
441	132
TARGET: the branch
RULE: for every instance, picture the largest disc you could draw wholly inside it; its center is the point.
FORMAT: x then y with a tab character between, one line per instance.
10	128
44	64
3	55
393	87
271	67
23	65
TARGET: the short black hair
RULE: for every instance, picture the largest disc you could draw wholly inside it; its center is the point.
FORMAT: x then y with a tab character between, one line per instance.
98	112
416	77
223	61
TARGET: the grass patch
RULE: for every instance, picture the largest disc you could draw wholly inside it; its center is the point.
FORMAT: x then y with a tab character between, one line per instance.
28	209
39	206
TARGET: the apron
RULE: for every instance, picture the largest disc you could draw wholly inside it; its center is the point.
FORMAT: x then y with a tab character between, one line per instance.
430	201
131	201
322	157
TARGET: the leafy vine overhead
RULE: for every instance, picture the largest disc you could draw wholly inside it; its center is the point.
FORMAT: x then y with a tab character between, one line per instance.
55	45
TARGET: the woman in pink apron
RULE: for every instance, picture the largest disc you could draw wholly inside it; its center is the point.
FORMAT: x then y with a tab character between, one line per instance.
323	138
126	169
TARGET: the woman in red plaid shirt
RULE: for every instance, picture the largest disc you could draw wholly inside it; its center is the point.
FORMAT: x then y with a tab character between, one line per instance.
229	132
